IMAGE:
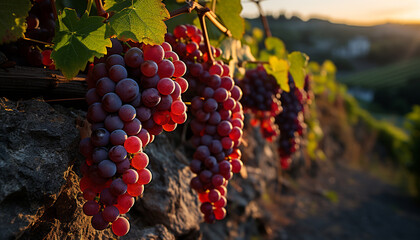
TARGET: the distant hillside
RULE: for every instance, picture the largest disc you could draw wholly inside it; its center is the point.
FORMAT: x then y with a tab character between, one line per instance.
352	48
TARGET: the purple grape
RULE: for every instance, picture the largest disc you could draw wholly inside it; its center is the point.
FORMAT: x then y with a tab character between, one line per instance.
98	222
224	128
107	168
111	102
118	137
92	96
137	101
221	95
127	112
86	147
117	73
201	153
110	213
150	97
96	113
143	113
118	187
165	103
91	208
132	127
99	71
195	166
149	82
100	137
215	118
134	57
149	68
210	105
117	153
113	122
127	89
107	198
216	146
104	85
205	176
123	166
114	59
99	154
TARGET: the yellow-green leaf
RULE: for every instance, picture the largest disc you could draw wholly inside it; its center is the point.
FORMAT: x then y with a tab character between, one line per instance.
279	68
257	34
13	15
78	41
138	20
329	67
298	62
229	11
275	47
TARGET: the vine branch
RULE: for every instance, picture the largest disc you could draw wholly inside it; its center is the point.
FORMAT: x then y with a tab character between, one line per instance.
242	63
54	10
202	18
213	6
37	41
263	19
101	9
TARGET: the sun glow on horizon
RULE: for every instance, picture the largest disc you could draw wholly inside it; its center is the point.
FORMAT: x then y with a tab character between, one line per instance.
356	12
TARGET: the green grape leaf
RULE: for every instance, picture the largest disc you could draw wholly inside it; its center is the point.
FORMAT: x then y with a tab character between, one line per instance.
229	11
279	68
275	46
298	62
78	5
12	19
78	41
138	20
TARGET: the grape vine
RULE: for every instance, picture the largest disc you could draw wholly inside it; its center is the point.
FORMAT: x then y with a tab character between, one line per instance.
137	74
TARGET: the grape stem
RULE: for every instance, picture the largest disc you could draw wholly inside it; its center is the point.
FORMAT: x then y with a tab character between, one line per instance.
191	5
242	63
37	41
263	19
202	18
100	8
54	9
89	6
126	43
213	6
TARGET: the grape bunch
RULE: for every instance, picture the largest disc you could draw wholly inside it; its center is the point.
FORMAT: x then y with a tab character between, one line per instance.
216	124
131	98
291	123
262	98
40	21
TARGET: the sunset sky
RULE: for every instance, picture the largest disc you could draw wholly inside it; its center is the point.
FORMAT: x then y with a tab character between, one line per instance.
360	12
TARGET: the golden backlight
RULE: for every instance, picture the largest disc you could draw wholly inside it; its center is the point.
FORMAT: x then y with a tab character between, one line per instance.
356	12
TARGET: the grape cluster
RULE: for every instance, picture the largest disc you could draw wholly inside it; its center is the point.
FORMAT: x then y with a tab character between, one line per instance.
262	98
216	124
291	123
132	98
40	21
